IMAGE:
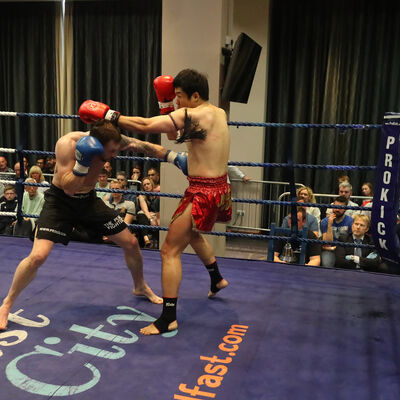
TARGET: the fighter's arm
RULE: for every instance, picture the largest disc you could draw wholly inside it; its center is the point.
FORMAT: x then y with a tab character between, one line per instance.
140	146
158	124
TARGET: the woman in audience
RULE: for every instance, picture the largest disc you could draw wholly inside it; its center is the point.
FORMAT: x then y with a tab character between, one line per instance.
36	173
306	194
148	210
367	190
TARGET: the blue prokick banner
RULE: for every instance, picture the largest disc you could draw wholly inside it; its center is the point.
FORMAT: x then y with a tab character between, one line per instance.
386	198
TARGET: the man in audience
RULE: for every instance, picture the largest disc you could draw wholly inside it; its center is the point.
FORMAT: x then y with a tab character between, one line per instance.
50	165
17	171
334	226
311	222
102	183
155	177
108	168
40	163
9	204
5	173
346	190
355	257
313	252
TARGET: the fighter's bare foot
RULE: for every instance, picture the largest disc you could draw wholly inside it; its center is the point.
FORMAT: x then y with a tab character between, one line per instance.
222	284
4	311
152	330
147	292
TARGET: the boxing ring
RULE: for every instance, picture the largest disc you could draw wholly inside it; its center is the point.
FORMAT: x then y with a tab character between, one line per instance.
276	332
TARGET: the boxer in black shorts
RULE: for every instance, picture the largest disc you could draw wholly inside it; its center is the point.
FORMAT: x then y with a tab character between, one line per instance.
71	201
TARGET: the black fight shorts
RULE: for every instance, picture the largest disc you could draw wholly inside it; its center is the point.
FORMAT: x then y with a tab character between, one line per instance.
62	213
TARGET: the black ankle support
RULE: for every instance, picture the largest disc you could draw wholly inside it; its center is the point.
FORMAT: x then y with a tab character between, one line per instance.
214	275
168	314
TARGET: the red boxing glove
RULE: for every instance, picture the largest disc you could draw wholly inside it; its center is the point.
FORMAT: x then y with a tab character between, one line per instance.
91	111
163	85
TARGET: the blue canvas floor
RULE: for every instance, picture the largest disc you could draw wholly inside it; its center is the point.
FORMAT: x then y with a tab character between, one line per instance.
277	332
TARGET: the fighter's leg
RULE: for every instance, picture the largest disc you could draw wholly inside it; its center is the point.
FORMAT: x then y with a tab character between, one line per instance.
134	262
178	237
205	252
24	274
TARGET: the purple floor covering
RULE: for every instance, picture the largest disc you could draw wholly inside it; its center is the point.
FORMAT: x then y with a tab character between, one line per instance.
277	332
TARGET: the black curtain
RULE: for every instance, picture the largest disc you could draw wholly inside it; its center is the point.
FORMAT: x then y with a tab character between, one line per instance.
117	54
331	62
28	73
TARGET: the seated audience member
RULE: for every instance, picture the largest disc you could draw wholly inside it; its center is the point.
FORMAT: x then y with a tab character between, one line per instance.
313	252
148	210
235	173
307	195
343	178
36	173
50	165
353	257
123	180
154	175
102	183
334	226
136	177
6	173
311	222
345	189
127	208
136	173
108	168
40	163
17	171
367	190
9	204
32	203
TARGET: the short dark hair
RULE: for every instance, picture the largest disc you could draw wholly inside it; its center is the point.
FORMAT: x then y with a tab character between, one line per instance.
191	81
105	131
103	172
341	199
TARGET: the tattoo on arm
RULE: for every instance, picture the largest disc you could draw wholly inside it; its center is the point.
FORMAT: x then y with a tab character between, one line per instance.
125	140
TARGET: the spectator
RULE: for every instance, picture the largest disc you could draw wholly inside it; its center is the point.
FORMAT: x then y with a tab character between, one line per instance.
102	183
36	173
32	203
306	194
353	257
334	226
343	178
26	164
50	165
127	208
313	250
345	189
154	175
137	177
368	191
122	179
17	170
311	222
40	163
148	211
235	173
9	204
108	168
5	173
136	173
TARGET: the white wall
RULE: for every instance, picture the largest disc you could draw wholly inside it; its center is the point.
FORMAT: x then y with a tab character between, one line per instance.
193	34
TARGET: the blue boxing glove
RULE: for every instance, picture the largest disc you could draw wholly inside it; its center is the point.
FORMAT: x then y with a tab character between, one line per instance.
179	159
86	148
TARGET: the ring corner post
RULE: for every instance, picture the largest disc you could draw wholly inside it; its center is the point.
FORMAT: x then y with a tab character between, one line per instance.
385	205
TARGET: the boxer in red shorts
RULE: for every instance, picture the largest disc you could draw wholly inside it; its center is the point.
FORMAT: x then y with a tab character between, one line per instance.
204	129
